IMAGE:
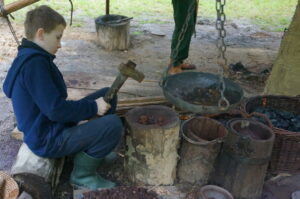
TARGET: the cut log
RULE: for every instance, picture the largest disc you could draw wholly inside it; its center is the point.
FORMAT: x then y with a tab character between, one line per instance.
152	142
113	32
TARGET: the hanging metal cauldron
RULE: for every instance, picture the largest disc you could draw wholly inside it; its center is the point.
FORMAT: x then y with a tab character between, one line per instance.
199	92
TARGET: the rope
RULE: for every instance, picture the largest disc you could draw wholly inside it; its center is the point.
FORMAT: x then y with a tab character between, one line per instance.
5	15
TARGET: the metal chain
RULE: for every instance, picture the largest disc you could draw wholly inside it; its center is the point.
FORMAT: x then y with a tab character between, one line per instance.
223	103
191	11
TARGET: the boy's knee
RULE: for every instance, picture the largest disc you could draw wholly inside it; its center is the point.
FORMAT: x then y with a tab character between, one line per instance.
115	124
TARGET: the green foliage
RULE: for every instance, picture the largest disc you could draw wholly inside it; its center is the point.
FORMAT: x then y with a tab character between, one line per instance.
137	33
273	15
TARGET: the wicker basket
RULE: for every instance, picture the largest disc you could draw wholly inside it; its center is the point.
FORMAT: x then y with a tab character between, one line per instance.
286	149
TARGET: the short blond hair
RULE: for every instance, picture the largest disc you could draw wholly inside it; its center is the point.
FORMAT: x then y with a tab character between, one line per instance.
42	17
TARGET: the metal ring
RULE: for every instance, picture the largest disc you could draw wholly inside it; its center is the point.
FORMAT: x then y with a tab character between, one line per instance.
220	104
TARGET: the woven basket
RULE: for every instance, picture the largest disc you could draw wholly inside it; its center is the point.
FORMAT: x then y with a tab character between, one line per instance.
286	149
8	187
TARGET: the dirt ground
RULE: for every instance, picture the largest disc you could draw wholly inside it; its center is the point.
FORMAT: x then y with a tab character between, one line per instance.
82	57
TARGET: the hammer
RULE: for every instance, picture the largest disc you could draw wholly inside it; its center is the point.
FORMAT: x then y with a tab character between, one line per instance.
126	70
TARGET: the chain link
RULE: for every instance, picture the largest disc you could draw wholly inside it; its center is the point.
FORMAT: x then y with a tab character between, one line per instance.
222	60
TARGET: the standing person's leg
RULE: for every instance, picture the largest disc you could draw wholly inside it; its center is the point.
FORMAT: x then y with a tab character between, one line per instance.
181	10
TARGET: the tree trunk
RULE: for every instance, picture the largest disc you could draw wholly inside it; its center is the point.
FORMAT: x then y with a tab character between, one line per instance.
284	78
151	154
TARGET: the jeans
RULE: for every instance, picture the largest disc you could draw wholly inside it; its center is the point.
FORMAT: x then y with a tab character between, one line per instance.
96	137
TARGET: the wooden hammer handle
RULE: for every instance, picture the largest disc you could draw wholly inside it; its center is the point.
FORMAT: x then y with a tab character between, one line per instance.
126	70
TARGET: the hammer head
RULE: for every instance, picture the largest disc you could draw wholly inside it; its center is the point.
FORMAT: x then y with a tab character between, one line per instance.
129	70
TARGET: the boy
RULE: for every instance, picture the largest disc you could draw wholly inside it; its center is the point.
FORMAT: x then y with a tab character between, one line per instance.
48	121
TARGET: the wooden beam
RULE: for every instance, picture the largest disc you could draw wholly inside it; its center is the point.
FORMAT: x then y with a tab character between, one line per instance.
80	84
17	5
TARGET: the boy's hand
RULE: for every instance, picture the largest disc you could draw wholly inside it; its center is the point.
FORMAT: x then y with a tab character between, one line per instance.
103	107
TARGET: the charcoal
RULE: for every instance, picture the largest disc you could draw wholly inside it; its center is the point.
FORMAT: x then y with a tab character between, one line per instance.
281	119
297	125
285	114
260	110
284	123
294	120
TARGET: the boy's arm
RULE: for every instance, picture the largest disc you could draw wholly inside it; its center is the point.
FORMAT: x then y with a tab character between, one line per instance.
41	86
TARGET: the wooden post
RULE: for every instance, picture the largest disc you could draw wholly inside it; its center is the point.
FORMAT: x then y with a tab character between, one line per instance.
9	8
107	7
151	155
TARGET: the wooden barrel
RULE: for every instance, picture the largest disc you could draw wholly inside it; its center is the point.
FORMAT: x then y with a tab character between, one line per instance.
241	166
113	32
151	145
201	143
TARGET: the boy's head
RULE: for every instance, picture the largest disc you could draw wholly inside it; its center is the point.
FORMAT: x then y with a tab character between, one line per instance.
45	26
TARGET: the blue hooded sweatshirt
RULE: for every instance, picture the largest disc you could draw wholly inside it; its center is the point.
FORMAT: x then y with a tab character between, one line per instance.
38	93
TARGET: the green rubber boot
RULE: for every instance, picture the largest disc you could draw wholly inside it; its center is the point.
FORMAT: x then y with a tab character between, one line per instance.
109	159
84	173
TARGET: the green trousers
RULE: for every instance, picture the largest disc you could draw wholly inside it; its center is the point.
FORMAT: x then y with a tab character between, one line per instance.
181	10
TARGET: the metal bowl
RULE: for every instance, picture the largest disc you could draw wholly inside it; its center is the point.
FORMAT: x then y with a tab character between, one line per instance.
180	89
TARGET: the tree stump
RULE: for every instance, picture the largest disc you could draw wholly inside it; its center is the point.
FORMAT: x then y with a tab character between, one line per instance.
152	142
113	32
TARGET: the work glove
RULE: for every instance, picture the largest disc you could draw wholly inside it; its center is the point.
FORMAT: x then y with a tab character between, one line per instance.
103	107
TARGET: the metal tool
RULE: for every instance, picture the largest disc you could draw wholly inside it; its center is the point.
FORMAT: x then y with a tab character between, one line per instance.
126	70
